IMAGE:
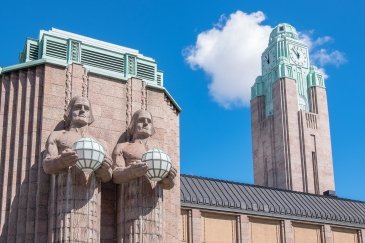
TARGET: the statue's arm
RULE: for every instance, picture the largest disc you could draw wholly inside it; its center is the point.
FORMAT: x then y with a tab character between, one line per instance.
120	172
105	172
54	162
123	173
168	182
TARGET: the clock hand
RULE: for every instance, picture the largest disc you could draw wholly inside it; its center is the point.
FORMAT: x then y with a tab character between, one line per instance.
296	53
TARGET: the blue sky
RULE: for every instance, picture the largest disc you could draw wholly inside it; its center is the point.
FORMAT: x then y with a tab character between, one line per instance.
215	122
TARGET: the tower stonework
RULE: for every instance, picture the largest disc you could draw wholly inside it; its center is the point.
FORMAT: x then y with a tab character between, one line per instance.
289	118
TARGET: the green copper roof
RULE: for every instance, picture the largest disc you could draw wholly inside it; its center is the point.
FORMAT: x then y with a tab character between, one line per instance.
61	48
97	56
283	30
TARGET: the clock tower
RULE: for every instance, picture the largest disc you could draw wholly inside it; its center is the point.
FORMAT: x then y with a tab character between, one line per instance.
289	118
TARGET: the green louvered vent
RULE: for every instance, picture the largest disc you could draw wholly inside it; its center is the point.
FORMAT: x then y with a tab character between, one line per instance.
33	52
145	71
159	79
56	49
75	51
131	65
103	61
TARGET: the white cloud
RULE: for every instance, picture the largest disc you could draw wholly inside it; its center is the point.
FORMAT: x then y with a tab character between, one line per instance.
321	56
230	53
324	57
322	40
306	38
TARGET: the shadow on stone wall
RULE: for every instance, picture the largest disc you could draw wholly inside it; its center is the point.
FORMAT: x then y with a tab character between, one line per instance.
23	184
26	218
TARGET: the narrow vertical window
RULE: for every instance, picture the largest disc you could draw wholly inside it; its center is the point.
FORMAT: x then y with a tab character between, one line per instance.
266	173
315	166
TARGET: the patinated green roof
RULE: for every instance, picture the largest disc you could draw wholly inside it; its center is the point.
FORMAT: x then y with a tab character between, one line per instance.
283	30
97	56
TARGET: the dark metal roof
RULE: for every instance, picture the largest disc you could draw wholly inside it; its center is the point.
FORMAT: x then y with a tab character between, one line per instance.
214	194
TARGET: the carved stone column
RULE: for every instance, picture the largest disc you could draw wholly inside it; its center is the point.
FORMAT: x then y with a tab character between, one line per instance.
74	207
142	212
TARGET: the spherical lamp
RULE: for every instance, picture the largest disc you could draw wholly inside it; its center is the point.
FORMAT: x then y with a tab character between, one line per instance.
91	154
159	164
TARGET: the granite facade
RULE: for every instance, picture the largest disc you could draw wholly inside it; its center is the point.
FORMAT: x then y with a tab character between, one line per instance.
32	103
291	147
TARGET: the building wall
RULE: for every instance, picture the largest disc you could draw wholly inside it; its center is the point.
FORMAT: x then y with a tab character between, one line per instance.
32	104
265	230
291	148
265	168
303	233
218	228
23	189
323	141
345	235
209	226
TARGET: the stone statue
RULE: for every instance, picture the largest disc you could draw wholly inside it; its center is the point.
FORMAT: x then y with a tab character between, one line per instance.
140	209
74	209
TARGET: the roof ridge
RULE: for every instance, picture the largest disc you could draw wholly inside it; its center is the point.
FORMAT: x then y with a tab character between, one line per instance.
271	188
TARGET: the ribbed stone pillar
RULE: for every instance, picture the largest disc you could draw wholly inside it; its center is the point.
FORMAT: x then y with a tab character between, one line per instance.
74	209
142	211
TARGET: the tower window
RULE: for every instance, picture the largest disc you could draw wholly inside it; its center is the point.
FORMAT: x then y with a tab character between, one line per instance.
315	172
281	28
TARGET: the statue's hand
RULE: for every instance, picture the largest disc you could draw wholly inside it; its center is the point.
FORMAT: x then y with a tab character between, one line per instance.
168	181
61	162
104	173
137	168
68	157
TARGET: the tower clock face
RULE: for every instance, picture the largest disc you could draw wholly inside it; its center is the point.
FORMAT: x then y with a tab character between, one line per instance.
273	56
266	62
298	55
269	60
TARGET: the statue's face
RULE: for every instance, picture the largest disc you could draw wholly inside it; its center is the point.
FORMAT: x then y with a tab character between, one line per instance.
144	127
81	112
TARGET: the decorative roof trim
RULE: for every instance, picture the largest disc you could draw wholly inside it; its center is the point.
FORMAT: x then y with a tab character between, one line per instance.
31	64
152	86
91	41
94	70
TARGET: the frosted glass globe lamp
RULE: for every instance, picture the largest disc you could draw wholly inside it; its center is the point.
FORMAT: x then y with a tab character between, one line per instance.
159	164
91	154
